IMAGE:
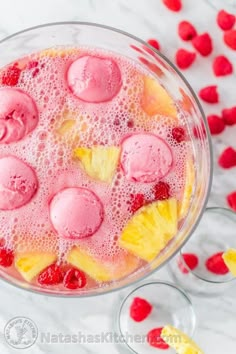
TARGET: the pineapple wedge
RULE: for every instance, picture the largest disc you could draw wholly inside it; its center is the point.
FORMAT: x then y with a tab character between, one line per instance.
150	229
155	99
99	162
229	258
31	264
99	270
179	341
184	204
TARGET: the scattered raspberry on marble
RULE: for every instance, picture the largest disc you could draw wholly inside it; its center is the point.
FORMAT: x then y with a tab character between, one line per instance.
154	43
229	115
184	58
227	158
155	340
186	31
222	66
225	20
173	5
203	44
230	39
216	124
209	94
231	199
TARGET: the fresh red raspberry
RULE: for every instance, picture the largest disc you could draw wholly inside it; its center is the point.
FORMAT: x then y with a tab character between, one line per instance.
154	43
209	94
225	20
216	124
215	264
11	76
32	64
184	58
178	134
74	279
230	39
137	201
162	191
203	44
222	66
155	340
173	5
231	199
229	115
6	257
52	275
140	309
186	31
228	158
190	259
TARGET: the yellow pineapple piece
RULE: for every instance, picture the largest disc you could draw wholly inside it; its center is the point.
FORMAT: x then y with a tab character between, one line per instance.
58	52
184	204
150	229
179	341
66	127
31	264
229	258
99	162
156	100
103	270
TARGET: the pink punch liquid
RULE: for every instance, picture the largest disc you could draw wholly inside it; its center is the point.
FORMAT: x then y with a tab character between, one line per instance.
96	169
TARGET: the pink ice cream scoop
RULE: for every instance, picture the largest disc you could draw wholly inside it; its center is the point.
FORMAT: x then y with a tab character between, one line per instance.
145	158
18	183
76	213
94	79
18	115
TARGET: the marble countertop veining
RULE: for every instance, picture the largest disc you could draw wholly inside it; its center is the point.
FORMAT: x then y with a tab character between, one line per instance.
216	317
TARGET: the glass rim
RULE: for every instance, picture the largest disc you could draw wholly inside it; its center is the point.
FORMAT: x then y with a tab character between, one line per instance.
208	135
167	284
210	210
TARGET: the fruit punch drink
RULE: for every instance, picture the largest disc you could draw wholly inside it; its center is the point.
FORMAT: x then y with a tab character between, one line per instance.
97	169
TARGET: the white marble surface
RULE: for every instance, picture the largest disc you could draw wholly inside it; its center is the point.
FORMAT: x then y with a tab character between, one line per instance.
216	317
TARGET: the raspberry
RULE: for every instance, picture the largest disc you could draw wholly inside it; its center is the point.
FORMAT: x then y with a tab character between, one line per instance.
140	309
155	340
178	134
190	259
215	264
74	279
162	191
222	66
32	64
137	201
186	31
209	94
229	115
231	199
6	257
11	76
184	58
216	124
225	20
173	5
154	43
203	44
52	275
228	158
230	39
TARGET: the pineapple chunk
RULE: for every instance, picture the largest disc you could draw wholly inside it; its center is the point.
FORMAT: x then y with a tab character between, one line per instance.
229	258
58	52
31	264
155	99
66	127
150	229
103	270
183	206
99	162
179	341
